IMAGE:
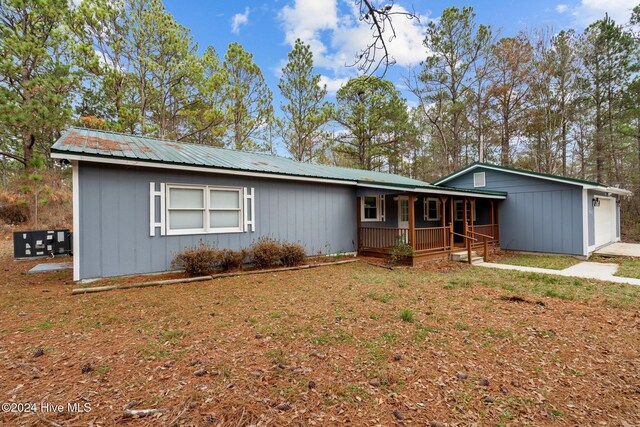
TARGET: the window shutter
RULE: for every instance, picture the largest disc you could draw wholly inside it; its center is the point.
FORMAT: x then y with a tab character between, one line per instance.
153	224
382	208
249	209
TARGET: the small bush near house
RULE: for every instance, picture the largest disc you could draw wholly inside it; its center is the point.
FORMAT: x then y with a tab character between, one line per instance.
266	252
399	253
292	254
229	259
197	261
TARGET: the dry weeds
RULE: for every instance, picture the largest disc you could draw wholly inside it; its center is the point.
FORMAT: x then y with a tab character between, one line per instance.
346	344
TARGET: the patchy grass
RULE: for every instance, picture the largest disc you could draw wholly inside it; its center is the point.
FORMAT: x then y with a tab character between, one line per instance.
553	262
341	344
629	267
407	316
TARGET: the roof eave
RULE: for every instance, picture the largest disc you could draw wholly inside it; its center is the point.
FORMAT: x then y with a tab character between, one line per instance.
61	154
560	179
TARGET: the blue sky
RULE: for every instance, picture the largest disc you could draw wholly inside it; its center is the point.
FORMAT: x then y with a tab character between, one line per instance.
268	29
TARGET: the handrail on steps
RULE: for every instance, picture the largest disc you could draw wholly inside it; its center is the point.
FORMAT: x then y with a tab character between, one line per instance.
480	234
485	255
466	237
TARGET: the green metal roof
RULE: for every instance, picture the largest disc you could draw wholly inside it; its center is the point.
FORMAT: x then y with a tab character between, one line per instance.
524	171
107	145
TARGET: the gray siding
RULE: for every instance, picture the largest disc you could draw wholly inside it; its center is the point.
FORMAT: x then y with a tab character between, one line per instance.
114	218
538	215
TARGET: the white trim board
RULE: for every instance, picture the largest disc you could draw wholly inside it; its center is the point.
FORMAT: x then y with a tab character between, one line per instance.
75	190
585	222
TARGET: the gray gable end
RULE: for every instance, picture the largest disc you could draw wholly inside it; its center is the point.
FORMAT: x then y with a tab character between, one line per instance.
539	215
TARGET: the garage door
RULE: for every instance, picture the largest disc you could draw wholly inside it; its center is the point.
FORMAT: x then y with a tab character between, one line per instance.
604	221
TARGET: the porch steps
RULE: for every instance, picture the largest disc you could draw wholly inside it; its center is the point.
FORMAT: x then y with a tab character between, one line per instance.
464	257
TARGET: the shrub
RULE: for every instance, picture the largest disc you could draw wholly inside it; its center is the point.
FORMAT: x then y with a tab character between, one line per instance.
292	254
266	252
400	252
229	259
197	261
14	214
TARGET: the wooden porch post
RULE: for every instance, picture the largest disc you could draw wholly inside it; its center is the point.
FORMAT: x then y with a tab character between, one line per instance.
473	208
443	204
493	231
451	239
465	217
497	231
358	221
467	240
412	221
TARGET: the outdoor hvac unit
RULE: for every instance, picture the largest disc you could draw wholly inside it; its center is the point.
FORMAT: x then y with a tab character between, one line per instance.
39	243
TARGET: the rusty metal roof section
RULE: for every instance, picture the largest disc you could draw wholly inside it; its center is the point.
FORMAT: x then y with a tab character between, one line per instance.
111	145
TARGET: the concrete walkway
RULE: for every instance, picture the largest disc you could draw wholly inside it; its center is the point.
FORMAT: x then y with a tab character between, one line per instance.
620	249
585	270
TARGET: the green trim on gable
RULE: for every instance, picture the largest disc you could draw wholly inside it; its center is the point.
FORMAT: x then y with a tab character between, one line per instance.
510	169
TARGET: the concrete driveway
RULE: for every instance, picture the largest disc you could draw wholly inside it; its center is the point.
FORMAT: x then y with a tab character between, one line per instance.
620	249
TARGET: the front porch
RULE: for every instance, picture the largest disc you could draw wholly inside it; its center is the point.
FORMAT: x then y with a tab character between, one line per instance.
434	225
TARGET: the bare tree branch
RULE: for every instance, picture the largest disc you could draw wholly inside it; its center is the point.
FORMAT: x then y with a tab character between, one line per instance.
380	20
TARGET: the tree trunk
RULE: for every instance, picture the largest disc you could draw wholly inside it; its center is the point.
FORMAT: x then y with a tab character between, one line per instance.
28	142
564	147
638	142
504	149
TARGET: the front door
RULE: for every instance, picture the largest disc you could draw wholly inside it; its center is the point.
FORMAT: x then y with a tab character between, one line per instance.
458	220
403	212
403	219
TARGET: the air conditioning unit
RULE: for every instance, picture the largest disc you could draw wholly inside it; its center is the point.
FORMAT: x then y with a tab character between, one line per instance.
41	243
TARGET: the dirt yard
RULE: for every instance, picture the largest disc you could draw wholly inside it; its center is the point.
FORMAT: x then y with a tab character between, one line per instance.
352	344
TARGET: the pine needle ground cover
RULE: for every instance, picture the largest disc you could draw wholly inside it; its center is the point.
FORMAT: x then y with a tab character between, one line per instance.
352	343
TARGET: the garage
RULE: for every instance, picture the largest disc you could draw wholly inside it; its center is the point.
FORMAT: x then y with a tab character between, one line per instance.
604	215
547	213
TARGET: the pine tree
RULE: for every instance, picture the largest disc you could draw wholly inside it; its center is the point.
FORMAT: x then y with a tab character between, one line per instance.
36	81
248	99
305	112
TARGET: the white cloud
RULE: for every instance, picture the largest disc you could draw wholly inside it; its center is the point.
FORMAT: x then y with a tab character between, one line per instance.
238	20
562	8
306	20
336	35
591	10
333	84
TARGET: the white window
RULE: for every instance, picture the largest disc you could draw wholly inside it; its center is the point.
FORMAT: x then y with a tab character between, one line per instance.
458	211
372	209
195	209
479	179
186	210
432	209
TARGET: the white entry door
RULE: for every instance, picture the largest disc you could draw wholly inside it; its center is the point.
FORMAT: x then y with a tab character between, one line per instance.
403	219
604	219
403	212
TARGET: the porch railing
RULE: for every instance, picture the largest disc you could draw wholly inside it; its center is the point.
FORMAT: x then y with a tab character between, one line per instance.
431	238
427	239
388	237
383	237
